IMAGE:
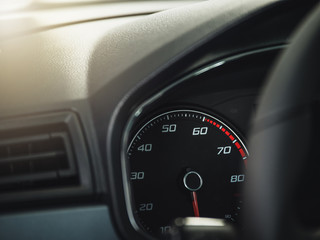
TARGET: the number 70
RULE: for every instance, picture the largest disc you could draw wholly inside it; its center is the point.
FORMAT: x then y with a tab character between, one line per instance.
224	150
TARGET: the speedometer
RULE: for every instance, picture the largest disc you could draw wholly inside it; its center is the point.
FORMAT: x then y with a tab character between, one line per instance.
185	163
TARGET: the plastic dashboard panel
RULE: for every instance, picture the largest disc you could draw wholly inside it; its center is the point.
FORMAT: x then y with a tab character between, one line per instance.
234	98
91	71
152	85
92	222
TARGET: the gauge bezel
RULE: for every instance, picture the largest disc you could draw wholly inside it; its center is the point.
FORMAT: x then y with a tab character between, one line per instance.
145	107
146	119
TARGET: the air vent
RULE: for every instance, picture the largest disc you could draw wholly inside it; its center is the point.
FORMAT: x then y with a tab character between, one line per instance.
42	155
36	160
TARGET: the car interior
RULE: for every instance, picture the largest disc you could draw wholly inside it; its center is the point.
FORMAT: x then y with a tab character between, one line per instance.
159	119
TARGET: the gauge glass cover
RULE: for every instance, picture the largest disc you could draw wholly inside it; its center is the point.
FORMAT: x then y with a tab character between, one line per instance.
185	163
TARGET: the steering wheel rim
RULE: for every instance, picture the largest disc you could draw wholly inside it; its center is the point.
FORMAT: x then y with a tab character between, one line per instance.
277	154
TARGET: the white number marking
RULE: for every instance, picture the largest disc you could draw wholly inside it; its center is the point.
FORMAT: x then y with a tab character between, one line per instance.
224	150
200	131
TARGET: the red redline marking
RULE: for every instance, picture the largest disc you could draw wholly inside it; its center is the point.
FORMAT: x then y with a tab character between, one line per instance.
242	152
236	144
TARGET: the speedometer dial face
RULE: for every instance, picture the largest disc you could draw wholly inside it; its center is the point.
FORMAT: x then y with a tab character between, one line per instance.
185	163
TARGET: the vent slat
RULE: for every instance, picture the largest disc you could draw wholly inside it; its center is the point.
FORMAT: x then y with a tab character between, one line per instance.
23	139
30	157
28	179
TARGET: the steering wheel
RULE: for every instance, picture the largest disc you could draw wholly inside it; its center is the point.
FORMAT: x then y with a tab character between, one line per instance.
281	136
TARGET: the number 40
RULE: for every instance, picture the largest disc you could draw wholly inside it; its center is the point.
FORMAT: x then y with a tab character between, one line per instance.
145	148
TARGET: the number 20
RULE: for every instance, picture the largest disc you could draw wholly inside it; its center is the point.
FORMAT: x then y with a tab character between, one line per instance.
145	207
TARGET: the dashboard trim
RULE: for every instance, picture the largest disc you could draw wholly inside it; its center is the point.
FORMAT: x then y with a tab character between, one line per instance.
140	109
203	70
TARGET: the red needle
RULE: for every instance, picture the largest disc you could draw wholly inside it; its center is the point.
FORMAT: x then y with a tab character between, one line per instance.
195	204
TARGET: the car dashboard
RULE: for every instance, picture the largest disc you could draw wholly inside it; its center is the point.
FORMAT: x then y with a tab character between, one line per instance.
118	118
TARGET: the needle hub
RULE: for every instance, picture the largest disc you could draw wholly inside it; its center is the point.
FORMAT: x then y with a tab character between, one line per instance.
192	181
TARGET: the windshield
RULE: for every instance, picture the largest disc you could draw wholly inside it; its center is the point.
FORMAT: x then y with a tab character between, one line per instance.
17	5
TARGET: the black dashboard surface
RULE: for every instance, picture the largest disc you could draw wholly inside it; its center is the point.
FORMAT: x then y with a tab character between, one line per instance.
105	67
